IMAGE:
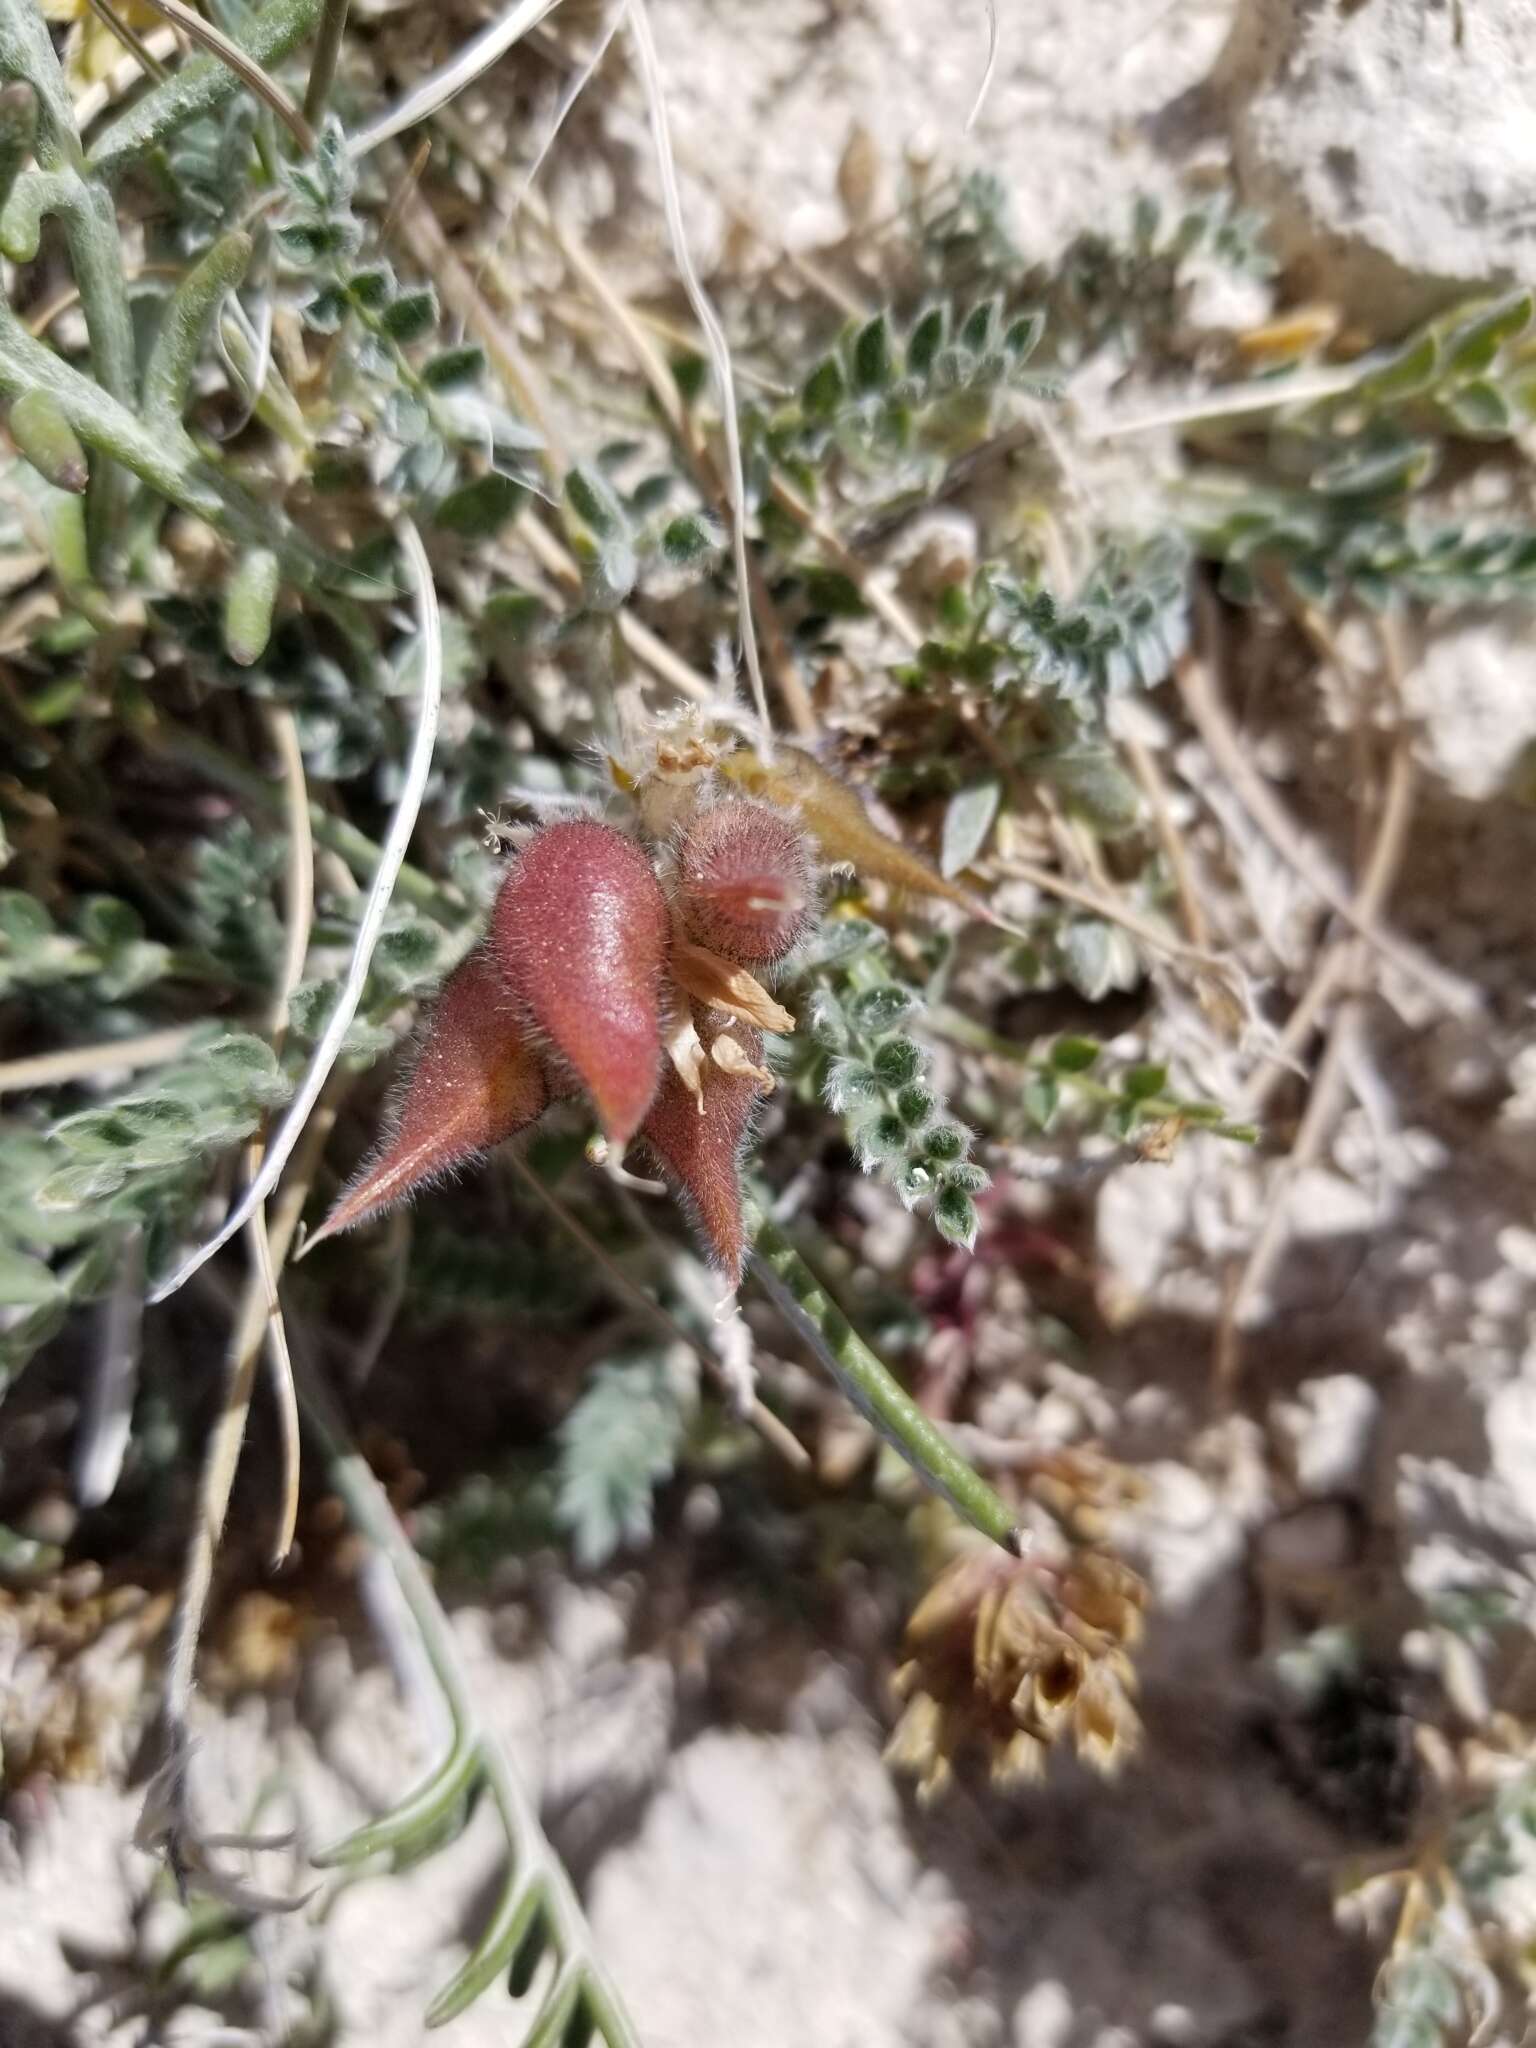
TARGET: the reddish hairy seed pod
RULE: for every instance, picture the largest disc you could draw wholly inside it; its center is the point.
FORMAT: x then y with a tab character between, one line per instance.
700	1149
580	933
744	882
477	1079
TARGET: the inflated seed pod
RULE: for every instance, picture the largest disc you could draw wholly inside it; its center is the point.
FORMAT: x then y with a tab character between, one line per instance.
477	1079
580	934
745	882
700	1138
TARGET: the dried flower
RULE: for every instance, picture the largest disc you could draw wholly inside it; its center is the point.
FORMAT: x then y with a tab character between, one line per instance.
699	1139
1006	1656
1082	1489
836	819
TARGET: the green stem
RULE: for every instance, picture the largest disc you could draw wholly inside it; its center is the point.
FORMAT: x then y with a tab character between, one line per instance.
185	325
18	129
870	1385
322	72
90	227
201	86
165	457
26	54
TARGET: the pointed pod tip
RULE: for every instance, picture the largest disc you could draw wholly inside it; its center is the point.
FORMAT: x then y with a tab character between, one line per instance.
476	1081
335	1223
701	1153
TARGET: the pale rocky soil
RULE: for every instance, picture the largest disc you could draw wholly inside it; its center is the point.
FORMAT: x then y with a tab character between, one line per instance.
759	1889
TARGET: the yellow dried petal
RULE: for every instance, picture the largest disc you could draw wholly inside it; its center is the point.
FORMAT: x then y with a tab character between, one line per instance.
731	1057
1293	334
914	1746
725	986
1104	1721
1021	1763
685	1049
1106	1594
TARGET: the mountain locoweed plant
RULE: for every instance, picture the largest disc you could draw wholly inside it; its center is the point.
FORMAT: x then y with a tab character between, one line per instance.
368	719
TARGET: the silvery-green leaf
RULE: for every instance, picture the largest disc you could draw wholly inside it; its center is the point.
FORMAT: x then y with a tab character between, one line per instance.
967	822
25	1282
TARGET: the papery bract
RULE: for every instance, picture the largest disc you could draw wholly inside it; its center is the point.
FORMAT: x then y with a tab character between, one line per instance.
744	884
477	1080
580	933
842	828
700	1142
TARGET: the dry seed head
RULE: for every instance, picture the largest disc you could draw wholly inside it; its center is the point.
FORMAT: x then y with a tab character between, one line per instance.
995	1663
1104	1595
667	766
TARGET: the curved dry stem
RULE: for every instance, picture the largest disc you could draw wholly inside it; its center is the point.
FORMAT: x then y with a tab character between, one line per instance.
201	86
298	920
247	68
716	347
133	43
994	41
375	909
450	79
568	99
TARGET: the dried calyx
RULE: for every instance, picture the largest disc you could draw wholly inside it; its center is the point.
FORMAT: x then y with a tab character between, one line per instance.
1009	1657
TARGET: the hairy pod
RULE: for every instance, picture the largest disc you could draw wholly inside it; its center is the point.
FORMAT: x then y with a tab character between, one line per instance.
580	934
477	1079
699	1141
744	882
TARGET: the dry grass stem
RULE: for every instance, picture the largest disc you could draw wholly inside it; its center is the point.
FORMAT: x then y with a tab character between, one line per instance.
375	909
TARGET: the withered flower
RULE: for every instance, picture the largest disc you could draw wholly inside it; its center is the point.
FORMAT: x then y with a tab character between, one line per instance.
1008	1656
1082	1489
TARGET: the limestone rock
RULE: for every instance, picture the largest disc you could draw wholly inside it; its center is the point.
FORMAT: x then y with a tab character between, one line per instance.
1473	694
1390	143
